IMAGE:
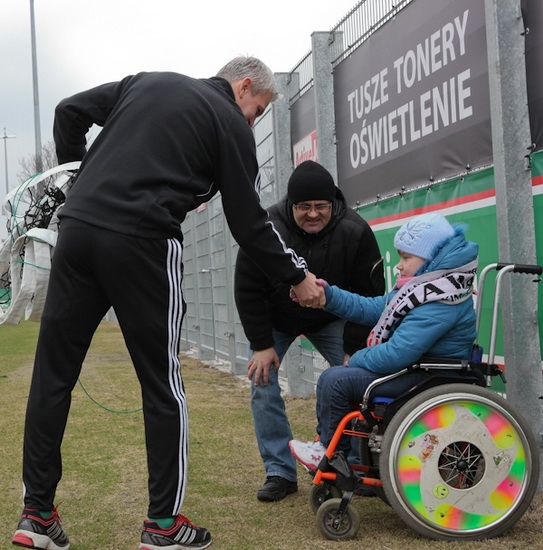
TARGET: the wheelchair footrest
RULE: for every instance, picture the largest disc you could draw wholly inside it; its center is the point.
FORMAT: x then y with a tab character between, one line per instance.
347	479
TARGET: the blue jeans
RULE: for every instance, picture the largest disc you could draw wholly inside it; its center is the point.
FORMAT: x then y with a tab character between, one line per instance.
340	388
270	420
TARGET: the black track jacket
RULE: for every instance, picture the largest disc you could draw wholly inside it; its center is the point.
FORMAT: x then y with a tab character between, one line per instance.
345	253
168	144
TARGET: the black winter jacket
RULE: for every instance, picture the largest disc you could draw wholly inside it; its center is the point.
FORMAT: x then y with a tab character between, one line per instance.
168	144
345	253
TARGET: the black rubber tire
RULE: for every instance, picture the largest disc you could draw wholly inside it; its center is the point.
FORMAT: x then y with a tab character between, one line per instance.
347	528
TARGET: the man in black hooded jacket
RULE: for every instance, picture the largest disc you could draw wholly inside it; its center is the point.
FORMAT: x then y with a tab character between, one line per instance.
339	246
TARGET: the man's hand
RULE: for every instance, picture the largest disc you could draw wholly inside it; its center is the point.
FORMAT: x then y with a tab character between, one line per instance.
308	293
259	365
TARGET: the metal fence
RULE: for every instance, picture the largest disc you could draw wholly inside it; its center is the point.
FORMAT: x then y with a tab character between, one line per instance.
212	325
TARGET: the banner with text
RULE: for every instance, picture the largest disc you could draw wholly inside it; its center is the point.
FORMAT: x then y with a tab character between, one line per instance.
412	102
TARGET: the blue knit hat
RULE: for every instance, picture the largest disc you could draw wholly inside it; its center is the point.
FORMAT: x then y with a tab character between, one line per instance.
424	235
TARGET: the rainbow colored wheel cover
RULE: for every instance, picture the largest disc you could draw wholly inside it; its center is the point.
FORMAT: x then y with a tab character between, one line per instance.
499	475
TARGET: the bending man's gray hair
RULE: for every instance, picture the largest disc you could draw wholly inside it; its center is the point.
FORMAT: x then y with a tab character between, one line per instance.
260	74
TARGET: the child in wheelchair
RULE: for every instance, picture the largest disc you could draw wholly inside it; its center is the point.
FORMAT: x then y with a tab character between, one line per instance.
429	312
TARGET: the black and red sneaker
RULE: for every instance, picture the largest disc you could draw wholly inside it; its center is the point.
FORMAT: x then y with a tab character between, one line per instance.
40	533
182	534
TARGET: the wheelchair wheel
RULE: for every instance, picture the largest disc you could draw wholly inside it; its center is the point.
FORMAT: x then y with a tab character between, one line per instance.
334	528
458	463
321	493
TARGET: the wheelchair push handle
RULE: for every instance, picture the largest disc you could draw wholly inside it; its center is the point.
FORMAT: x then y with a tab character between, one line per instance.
503	268
521	268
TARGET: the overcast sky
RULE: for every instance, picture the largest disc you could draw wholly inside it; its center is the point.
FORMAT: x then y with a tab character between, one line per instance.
81	44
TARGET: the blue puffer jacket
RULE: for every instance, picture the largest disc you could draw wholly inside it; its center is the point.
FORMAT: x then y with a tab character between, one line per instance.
434	329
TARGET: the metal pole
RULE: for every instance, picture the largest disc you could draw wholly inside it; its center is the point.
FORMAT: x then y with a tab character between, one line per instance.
5	137
210	270
37	129
324	93
511	144
283	164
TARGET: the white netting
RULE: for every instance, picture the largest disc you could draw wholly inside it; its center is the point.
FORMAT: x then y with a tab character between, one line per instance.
25	255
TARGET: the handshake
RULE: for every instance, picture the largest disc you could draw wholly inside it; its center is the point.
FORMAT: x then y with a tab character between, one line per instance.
318	301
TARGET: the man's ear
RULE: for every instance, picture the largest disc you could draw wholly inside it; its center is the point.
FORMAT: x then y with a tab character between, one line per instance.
243	86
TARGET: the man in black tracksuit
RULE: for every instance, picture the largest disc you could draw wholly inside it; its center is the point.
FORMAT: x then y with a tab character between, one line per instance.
339	245
168	143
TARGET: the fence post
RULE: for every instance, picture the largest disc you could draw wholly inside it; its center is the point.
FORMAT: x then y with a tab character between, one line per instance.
511	144
296	371
323	88
282	145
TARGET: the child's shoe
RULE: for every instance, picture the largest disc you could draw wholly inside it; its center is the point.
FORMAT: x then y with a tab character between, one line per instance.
307	454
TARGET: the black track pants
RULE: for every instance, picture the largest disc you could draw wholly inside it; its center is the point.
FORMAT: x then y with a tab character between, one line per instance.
92	270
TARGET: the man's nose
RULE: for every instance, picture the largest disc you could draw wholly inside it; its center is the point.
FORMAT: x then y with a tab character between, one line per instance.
313	211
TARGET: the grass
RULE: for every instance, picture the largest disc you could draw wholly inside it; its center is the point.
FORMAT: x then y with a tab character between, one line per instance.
103	493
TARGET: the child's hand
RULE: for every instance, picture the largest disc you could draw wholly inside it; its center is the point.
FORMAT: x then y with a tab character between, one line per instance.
322	282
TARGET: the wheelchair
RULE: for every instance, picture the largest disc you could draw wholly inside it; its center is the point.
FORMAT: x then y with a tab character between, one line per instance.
450	456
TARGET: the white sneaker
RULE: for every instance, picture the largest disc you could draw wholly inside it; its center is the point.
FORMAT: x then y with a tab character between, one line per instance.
307	454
